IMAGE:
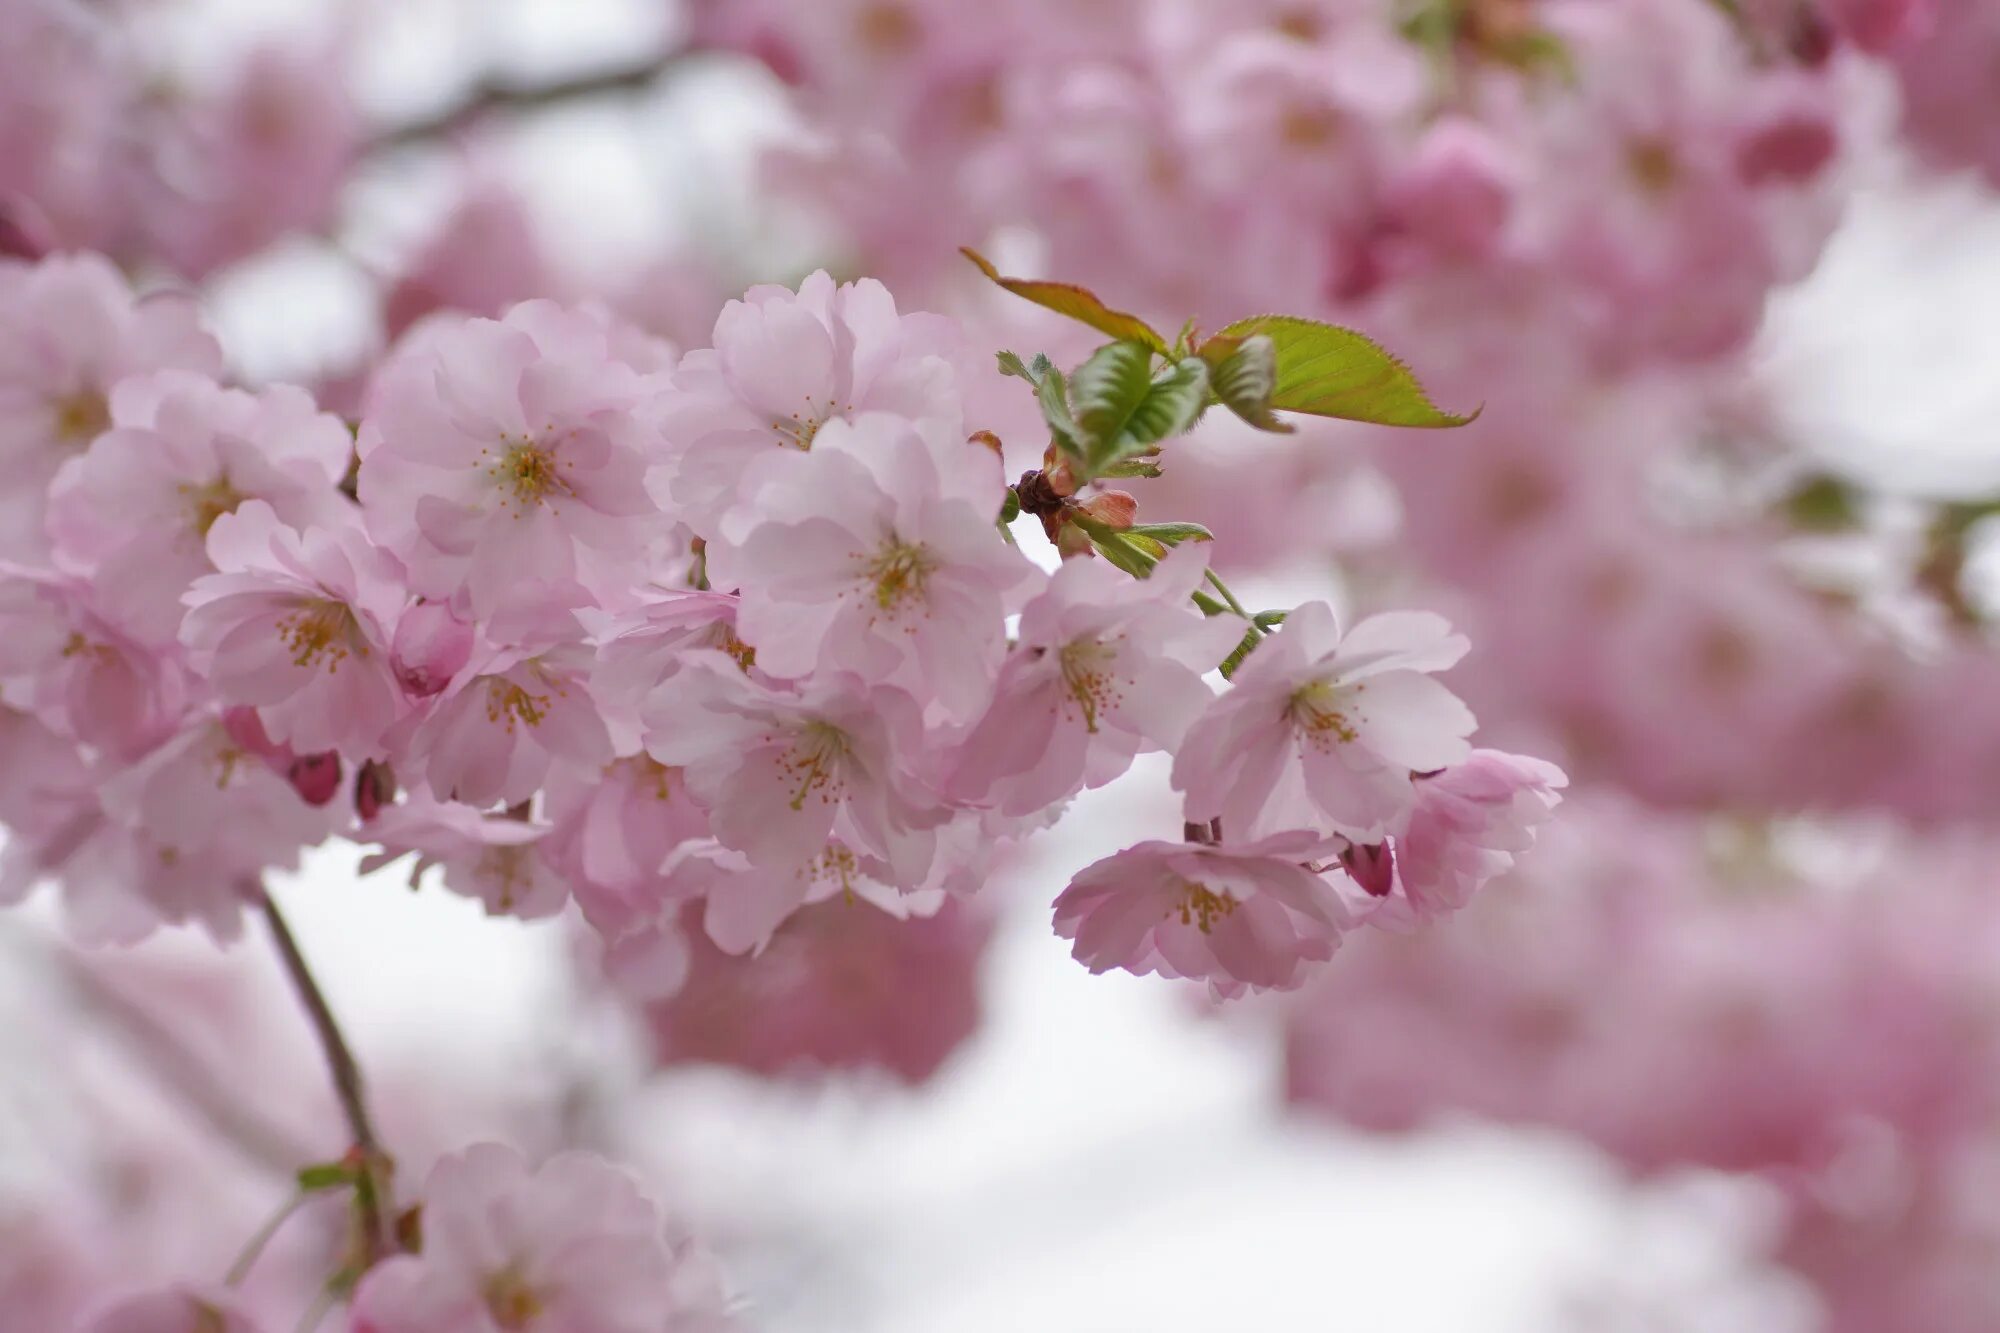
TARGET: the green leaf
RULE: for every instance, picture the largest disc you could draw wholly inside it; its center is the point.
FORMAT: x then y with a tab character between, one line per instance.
1243	374
1130	467
1170	406
1135	555
1105	391
325	1176
1010	507
1173	534
1078	303
1324	370
1052	394
1010	364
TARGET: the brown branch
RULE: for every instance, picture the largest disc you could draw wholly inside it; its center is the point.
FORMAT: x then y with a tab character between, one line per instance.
371	1183
495	95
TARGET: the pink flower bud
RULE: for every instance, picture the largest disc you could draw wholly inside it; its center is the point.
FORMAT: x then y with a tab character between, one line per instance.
316	777
246	732
431	646
1372	867
374	787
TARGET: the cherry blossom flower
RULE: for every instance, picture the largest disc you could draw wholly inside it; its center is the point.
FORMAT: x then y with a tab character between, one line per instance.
570	1245
492	858
134	510
62	659
1324	728
1244	917
432	645
746	901
1469	824
295	624
505	461
613	832
785	773
830	990
786	363
639	651
504	724
871	555
72	331
1102	670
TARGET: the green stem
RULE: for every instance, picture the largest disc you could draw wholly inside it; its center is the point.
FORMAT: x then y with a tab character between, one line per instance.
1229	599
253	1249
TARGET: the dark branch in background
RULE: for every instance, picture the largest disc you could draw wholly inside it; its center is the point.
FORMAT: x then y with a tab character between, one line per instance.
490	95
370	1186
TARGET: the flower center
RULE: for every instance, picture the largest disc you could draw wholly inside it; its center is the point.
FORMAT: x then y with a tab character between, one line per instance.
1085	671
836	865
1316	710
1201	907
319	630
1653	164
210	501
509	702
510	1300
813	763
531	470
898	572
81	417
798	430
886	29
507	869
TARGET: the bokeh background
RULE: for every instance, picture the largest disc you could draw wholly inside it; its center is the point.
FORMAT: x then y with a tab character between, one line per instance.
1724	1053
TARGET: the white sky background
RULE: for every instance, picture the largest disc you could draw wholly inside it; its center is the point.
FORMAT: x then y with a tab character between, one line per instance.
1099	1159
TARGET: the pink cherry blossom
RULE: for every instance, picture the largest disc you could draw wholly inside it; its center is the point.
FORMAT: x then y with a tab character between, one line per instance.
432	645
1102	669
134	510
492	858
1244	917
65	661
508	721
571	1246
784	773
71	331
830	991
876	553
783	365
613	831
176	1310
1324	728
505	460
1469	823
296	625
639	651
746	901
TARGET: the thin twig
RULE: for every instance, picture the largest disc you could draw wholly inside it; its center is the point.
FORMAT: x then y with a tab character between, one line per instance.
347	1083
490	95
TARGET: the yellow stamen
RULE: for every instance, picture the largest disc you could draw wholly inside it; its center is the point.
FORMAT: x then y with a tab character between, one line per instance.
81	417
813	762
1084	663
210	501
1201	907
321	630
512	1303
899	571
1316	711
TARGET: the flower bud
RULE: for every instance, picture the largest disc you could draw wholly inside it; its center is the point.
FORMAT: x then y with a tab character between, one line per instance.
374	787
431	646
316	777
1372	867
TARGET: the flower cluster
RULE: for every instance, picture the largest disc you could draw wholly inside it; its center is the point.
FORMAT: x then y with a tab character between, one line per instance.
645	630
